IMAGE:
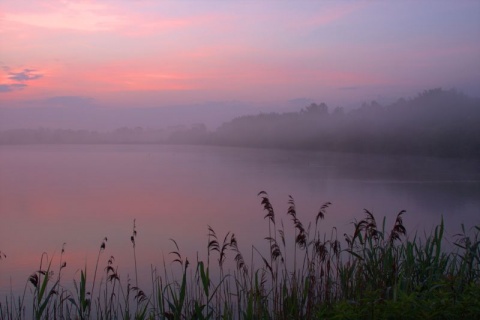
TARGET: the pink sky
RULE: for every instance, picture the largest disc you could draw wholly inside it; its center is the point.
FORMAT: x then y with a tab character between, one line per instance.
162	53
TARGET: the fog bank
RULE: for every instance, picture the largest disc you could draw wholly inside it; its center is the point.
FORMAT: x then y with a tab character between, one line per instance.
435	122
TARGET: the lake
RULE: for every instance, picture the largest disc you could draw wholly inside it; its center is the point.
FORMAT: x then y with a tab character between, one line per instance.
79	194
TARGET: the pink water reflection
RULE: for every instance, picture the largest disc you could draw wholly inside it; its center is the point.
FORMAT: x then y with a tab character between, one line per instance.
50	195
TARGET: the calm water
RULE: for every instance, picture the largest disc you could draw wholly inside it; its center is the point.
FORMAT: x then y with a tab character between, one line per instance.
50	195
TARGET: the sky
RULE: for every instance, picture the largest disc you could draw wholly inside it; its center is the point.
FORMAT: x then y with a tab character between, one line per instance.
120	54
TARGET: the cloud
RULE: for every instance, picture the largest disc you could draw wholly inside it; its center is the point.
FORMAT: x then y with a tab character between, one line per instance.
65	102
79	16
25	75
349	88
14	81
11	87
337	13
330	14
71	101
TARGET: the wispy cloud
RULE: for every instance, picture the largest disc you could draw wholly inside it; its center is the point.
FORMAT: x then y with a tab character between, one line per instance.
17	80
92	17
80	16
11	87
349	88
70	101
335	13
230	49
25	75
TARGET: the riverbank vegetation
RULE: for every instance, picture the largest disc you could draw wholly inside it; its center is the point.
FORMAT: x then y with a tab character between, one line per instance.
373	272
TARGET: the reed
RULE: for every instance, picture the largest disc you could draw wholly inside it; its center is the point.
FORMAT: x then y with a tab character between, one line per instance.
372	273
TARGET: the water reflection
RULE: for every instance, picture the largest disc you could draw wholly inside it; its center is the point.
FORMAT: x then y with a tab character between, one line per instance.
80	194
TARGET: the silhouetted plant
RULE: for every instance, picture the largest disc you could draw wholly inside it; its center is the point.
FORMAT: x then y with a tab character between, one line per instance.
380	273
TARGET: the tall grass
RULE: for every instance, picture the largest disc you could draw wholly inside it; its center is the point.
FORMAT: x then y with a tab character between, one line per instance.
372	273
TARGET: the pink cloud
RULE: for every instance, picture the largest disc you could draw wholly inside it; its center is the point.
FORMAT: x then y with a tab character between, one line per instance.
125	75
14	80
335	13
90	16
67	15
147	25
230	50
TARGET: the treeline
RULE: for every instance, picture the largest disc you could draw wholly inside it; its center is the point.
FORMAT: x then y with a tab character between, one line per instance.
436	122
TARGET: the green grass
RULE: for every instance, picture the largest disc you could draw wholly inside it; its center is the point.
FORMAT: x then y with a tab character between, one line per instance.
372	273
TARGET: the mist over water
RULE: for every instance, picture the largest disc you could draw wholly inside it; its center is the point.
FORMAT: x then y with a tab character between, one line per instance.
79	194
435	122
